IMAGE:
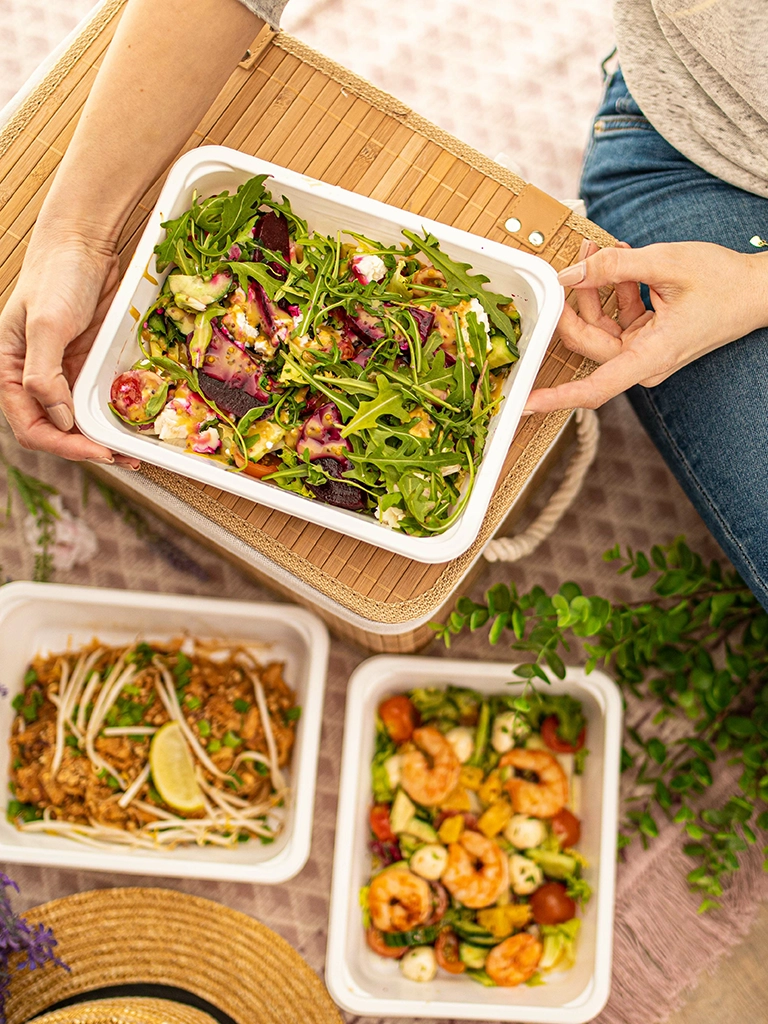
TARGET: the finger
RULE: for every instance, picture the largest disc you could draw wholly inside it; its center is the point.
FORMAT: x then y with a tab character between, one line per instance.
586	339
605	383
43	379
612	265
590	306
34	431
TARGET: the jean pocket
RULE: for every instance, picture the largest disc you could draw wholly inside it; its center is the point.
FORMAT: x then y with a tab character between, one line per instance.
611	124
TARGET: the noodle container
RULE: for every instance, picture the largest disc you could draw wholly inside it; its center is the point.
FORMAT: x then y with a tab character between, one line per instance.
208	170
369	985
48	618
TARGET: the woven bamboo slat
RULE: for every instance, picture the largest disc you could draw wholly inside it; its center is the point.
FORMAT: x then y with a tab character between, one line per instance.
296	108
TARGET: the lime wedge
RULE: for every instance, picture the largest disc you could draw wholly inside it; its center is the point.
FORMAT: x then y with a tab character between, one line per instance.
173	771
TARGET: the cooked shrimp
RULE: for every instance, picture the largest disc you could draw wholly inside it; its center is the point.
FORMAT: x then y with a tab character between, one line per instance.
398	900
429	784
477	870
514	960
542	799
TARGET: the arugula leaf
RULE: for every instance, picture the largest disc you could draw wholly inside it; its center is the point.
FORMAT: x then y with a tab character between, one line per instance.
245	270
456	274
388	402
157	402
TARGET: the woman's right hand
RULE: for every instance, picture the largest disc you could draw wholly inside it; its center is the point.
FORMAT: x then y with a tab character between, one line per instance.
46	329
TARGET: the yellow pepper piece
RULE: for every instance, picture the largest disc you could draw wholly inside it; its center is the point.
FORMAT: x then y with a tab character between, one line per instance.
495	818
490	791
451	829
502	921
471	778
458	800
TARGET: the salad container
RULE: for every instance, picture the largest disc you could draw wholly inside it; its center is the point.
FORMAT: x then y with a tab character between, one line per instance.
40	617
207	171
366	984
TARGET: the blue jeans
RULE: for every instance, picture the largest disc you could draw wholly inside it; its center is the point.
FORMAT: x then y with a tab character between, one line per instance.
710	419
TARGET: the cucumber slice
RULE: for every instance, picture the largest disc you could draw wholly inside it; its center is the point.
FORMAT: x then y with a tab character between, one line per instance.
473	956
421	830
401	812
554	865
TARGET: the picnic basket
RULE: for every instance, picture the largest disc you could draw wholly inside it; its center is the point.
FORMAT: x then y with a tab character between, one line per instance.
291	105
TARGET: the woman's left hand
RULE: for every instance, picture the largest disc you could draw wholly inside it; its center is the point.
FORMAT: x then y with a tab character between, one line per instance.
703	296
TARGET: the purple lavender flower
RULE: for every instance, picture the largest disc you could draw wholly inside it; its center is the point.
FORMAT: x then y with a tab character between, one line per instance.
36	942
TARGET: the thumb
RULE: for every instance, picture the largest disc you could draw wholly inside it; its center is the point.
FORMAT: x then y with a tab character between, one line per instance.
614	265
43	377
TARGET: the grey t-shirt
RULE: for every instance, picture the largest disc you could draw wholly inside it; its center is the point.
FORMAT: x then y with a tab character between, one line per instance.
699	71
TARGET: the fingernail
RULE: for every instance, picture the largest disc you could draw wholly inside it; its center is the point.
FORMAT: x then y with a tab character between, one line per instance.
60	416
584	249
573	275
128	464
104	462
527	412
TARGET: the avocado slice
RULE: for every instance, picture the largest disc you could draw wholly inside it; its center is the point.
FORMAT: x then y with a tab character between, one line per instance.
554	865
421	829
500	354
193	292
401	812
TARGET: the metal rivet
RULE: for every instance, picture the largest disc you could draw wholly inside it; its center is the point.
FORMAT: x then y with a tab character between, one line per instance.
536	238
513	225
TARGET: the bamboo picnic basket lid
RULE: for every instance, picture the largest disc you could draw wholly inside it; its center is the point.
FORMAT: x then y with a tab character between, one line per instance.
288	104
224	963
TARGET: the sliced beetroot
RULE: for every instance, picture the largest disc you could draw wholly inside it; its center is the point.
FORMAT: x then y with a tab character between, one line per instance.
365	325
337	491
424	321
363	356
321	436
271	233
230	377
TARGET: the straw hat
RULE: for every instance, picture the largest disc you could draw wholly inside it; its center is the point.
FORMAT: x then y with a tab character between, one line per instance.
153	956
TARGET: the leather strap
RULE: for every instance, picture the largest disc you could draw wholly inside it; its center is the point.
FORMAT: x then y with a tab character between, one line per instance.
533	218
261	41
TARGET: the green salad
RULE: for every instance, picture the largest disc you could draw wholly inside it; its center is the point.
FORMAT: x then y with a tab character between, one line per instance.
354	373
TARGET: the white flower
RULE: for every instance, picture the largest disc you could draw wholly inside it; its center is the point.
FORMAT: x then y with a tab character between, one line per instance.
74	542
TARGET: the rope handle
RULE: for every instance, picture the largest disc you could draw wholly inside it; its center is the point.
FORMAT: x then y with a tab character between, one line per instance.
511	549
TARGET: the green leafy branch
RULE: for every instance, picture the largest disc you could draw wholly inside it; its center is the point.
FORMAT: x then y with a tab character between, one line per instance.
698	646
35	496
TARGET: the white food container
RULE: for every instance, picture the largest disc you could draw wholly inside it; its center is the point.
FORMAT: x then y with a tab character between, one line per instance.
369	985
39	618
209	170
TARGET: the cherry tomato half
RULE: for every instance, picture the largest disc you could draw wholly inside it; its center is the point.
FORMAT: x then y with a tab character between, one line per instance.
266	465
380	823
549	728
400	718
567	827
376	941
447	952
551	904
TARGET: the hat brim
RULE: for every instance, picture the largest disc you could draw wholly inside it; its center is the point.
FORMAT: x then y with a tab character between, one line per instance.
227	961
127	1011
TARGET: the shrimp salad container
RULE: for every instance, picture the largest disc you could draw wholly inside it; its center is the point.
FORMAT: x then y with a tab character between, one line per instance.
329	210
371	985
38	618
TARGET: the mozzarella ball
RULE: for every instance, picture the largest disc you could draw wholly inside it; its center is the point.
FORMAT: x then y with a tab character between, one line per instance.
429	861
419	964
463	742
508	728
524	874
524	832
393	766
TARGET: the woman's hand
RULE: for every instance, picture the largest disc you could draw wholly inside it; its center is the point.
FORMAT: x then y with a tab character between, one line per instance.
46	330
703	296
